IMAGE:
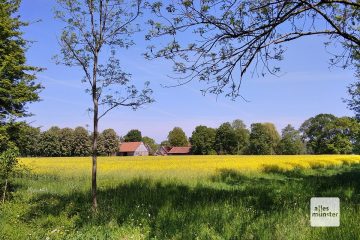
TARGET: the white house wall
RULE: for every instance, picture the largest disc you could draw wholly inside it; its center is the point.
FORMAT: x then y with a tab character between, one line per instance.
141	150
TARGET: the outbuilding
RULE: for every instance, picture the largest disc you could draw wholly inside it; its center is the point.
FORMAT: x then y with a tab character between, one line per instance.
179	151
133	149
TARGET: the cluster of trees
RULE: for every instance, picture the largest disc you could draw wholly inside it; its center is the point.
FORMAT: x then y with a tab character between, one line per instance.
56	142
235	138
322	134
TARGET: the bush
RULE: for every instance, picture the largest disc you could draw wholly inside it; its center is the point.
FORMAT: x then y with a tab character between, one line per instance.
8	164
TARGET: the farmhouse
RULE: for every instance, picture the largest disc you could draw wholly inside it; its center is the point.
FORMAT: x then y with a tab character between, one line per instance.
133	149
179	151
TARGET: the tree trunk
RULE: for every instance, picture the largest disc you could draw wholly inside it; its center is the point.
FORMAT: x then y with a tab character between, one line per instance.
5	189
94	156
95	136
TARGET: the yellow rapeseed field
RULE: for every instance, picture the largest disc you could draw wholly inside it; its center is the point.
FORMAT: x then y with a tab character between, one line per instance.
180	165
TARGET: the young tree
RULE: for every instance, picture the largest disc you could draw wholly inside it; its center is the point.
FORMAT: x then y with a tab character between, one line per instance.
290	143
263	139
234	36
202	140
91	28
177	138
133	135
225	139
17	80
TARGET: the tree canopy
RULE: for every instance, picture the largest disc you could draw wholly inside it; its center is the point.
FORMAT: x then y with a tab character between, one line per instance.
291	142
108	142
225	139
237	36
264	139
327	134
177	138
17	79
134	135
242	136
202	140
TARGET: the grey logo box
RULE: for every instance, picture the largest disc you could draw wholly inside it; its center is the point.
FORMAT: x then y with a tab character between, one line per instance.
325	212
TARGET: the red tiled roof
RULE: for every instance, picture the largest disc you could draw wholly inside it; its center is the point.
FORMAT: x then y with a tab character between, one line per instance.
129	146
166	148
180	150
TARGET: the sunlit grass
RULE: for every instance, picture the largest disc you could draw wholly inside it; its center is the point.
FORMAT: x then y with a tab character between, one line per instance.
182	197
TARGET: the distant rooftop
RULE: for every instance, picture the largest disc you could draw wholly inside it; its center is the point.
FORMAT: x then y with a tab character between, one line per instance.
129	146
179	150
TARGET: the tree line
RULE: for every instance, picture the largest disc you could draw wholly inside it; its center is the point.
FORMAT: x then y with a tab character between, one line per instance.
322	134
56	142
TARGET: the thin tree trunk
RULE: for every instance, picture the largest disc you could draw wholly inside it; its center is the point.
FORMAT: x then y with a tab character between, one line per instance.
5	189
95	136
94	159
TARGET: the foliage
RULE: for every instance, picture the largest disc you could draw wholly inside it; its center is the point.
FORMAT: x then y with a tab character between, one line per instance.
83	142
17	79
165	143
25	137
4	138
202	140
8	164
133	135
150	143
237	36
354	101
291	142
343	136
242	136
50	143
226	141
177	138
327	134
108	142
66	141
264	139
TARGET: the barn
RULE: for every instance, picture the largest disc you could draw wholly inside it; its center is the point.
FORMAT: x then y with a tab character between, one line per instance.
179	151
133	149
163	150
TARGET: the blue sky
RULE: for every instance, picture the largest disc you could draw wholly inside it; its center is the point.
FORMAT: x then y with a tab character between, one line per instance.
306	87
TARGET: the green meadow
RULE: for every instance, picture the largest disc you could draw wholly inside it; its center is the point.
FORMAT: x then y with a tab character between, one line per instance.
229	204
